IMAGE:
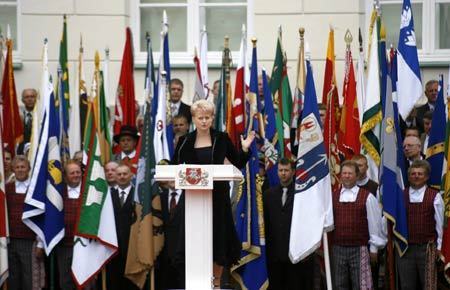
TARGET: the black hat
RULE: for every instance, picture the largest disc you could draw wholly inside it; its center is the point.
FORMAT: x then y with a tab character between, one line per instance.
127	130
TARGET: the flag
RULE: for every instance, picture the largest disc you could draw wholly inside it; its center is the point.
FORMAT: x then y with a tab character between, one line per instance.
348	137
282	98
445	251
222	118
63	95
241	88
332	119
125	111
372	116
271	144
77	108
360	80
230	120
436	141
43	209
251	270
160	139
299	93
204	61
391	179
63	62
13	132
4	230
3	52
164	66
63	111
100	111
95	235
312	213
146	234
393	76
199	92
409	84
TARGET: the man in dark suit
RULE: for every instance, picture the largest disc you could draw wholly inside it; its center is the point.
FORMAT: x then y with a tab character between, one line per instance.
171	272
177	107
431	92
122	197
278	203
29	97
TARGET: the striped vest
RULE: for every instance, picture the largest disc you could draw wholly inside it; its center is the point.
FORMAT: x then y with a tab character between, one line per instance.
17	229
421	222
350	220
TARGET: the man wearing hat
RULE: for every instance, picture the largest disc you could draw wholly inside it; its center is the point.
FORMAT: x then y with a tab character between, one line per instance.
127	140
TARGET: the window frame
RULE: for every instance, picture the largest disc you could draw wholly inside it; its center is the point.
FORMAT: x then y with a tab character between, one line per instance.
184	59
17	57
428	54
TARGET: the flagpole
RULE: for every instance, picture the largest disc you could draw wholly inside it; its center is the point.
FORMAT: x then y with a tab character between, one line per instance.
390	257
152	279
326	256
52	271
104	278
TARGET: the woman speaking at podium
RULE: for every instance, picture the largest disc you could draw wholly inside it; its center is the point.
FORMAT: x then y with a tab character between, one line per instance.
208	146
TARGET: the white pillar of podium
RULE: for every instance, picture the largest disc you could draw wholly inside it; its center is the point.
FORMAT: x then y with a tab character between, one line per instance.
197	181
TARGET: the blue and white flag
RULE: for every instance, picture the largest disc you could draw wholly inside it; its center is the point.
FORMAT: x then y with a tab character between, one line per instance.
391	172
43	210
313	209
251	271
435	151
161	140
409	84
164	65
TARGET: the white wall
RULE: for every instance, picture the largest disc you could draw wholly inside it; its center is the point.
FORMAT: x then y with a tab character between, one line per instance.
102	24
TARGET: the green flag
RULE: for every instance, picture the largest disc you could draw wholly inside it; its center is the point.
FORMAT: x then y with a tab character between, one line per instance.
281	91
95	238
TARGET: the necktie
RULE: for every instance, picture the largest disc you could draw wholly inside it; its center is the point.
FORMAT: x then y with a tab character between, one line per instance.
29	119
284	196
173	202
173	109
122	198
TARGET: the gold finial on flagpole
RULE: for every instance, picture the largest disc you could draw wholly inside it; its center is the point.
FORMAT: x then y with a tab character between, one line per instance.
348	38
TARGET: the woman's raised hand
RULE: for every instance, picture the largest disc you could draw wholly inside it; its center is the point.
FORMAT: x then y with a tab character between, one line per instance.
247	141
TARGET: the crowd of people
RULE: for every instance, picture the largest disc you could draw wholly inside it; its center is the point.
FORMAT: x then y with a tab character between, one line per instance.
358	240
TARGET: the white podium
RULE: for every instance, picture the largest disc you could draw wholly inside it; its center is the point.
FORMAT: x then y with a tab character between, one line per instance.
197	181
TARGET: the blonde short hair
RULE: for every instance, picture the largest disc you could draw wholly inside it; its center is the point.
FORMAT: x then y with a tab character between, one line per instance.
203	105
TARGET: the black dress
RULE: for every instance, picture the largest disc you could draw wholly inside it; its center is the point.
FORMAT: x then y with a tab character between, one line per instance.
226	245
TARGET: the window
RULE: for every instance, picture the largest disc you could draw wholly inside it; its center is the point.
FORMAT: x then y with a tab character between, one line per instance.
391	17
442	12
431	23
8	16
186	19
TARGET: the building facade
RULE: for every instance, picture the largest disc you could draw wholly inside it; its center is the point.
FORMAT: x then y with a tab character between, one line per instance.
102	23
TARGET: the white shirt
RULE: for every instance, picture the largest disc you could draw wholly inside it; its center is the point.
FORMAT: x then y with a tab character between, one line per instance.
126	190
425	144
74	192
131	155
21	186
177	197
374	219
416	196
